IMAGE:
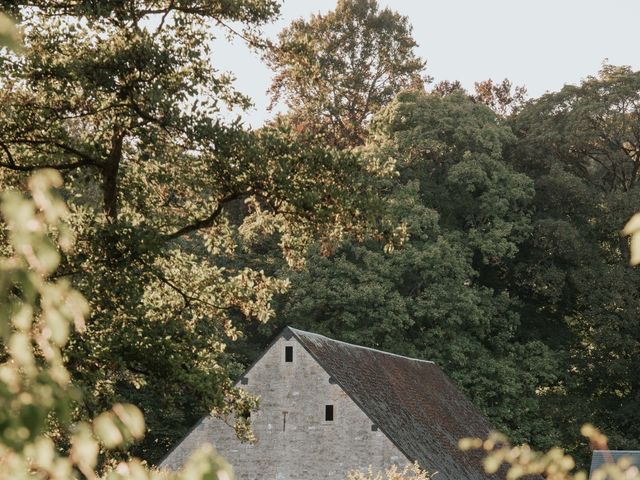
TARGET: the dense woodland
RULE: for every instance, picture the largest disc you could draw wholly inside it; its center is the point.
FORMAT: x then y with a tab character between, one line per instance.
478	229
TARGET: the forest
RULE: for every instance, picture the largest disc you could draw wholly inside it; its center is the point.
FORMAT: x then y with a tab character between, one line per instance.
477	229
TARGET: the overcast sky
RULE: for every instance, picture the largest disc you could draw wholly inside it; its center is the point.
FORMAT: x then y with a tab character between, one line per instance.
541	44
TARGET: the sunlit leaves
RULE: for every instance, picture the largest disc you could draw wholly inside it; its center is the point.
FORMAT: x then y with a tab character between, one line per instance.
521	461
35	325
121	425
35	386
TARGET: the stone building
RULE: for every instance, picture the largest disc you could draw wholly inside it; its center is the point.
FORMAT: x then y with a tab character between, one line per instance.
328	407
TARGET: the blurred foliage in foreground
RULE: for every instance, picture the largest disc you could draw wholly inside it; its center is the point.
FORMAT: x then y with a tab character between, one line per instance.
37	312
410	472
9	34
632	229
521	461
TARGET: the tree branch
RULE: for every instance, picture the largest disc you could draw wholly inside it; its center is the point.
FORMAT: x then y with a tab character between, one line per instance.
205	222
186	298
110	176
252	42
11	164
164	17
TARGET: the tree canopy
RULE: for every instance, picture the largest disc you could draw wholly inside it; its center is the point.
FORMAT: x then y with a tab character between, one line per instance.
478	230
573	275
123	100
334	71
515	277
438	296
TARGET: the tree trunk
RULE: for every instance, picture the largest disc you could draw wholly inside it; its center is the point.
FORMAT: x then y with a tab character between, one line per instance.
110	176
624	249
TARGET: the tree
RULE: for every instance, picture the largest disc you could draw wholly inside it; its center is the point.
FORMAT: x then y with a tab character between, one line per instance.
578	294
335	70
122	99
36	314
442	296
591	128
503	98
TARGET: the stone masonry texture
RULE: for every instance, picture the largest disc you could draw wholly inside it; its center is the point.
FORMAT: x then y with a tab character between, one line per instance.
294	442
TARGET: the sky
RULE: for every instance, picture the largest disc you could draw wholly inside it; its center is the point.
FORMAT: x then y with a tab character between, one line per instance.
541	44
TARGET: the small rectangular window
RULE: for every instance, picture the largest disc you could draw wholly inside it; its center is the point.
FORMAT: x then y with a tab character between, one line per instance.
328	413
288	354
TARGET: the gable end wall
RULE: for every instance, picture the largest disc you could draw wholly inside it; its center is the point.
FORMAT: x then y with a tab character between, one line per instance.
305	446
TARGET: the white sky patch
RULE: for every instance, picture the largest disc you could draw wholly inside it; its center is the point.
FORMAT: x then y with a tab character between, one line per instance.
541	44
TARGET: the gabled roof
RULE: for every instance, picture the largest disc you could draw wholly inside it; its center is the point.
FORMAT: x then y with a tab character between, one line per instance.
411	401
601	457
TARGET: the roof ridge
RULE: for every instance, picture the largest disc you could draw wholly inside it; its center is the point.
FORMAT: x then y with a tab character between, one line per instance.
303	332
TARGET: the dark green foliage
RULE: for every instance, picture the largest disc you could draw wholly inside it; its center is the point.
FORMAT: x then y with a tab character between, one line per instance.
577	289
442	296
517	283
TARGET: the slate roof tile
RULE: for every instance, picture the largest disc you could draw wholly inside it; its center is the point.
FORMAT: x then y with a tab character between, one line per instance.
412	401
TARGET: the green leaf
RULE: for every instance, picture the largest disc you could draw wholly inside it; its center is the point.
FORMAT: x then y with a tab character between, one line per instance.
21	349
58	325
84	448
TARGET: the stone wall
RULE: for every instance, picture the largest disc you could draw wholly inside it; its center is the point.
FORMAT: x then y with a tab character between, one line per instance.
294	441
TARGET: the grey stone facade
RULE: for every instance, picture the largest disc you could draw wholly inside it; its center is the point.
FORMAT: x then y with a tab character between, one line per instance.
294	441
385	409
